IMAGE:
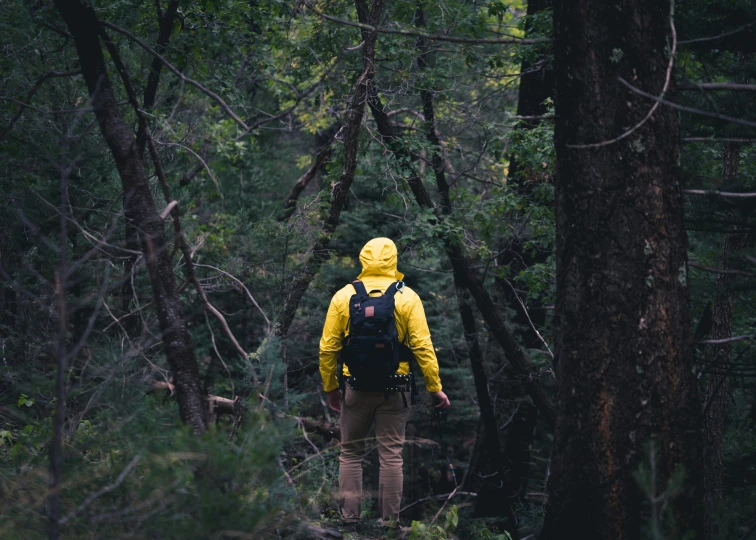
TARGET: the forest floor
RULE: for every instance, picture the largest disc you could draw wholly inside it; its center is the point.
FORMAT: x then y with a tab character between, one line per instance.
364	530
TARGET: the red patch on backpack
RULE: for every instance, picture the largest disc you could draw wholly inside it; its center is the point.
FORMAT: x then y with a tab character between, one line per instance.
370	311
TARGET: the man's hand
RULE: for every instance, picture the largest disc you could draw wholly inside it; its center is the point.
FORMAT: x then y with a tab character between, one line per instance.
442	402
334	399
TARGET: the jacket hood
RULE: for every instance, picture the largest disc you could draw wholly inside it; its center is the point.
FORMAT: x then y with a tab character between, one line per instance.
378	258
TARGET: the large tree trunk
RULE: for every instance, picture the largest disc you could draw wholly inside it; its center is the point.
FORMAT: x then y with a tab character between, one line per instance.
715	409
140	211
625	341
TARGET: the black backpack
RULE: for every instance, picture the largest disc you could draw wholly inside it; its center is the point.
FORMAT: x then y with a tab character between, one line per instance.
372	350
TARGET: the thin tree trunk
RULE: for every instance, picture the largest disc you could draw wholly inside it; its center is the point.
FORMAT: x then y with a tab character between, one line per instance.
61	352
627	391
490	501
717	387
351	133
536	86
461	267
140	211
165	20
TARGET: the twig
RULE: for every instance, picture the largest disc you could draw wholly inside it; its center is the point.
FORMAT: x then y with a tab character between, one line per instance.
748	532
246	290
718	86
437	498
719	193
444	505
686	108
715	270
30	94
178	73
167	210
722	140
726	340
720	36
525	310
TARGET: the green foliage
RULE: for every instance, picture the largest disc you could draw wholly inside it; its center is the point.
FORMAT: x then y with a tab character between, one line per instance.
421	531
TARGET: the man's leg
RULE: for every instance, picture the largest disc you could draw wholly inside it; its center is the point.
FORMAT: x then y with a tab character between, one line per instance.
356	417
390	422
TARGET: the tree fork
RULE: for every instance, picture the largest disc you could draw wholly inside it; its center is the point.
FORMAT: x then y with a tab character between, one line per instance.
140	210
351	133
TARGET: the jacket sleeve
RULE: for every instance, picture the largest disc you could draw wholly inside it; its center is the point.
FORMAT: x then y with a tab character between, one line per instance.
330	344
422	346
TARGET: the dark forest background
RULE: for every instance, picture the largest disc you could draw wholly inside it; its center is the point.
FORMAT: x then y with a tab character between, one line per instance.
571	186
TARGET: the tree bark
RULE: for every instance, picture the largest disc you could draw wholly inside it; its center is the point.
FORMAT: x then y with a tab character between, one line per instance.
140	210
351	133
717	388
625	340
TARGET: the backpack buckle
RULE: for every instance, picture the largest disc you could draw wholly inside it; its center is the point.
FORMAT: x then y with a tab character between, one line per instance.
400	286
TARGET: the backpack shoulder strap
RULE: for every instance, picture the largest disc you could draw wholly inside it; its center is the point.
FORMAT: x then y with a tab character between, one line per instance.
396	286
359	287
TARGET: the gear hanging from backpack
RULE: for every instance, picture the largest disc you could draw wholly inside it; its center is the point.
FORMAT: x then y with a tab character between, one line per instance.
372	350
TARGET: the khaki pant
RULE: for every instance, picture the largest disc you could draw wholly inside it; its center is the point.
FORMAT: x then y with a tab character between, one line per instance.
358	412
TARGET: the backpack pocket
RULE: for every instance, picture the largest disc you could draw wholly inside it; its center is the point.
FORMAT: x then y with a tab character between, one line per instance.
369	358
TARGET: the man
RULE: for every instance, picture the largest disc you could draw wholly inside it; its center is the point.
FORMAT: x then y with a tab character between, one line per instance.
388	409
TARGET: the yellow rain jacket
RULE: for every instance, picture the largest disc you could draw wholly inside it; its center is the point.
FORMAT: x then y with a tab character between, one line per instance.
378	259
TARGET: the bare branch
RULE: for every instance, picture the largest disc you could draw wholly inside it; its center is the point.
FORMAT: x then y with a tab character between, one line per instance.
178	73
726	340
513	40
687	109
168	209
107	489
241	284
22	106
650	113
734	194
722	140
737	87
720	36
715	270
